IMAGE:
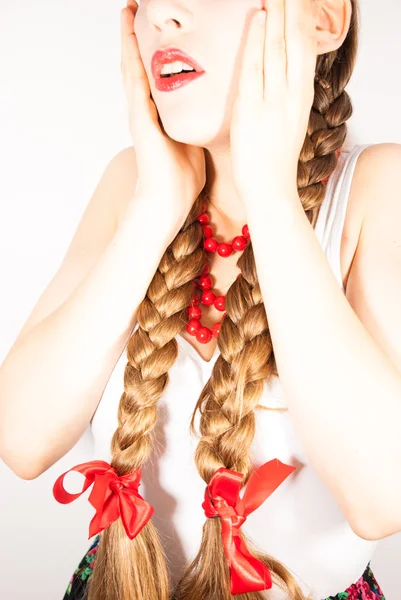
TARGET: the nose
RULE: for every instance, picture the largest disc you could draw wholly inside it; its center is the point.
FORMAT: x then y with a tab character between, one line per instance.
165	15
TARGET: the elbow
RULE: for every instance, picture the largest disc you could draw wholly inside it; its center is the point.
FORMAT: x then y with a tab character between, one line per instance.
380	517
28	474
23	470
366	532
372	528
379	532
381	529
22	465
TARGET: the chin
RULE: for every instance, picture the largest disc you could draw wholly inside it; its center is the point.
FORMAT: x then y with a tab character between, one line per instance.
195	131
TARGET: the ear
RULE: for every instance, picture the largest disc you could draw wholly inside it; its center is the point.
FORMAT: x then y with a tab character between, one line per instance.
333	18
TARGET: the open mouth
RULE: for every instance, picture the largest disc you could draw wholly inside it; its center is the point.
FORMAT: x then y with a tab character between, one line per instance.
176	74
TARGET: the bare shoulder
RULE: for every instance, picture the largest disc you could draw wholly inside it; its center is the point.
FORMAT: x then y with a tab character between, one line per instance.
377	176
355	213
115	187
377	165
119	183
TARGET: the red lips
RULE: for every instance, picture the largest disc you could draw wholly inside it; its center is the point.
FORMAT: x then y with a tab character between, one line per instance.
169	55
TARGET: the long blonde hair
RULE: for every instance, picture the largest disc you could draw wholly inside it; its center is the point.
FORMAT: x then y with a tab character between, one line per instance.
137	569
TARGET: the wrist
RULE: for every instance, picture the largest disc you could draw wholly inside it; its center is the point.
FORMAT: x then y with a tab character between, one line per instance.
272	201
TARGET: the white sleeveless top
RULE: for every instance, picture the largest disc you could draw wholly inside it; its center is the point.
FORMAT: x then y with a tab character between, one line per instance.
300	524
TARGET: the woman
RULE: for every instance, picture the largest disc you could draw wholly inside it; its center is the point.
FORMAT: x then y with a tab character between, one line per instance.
245	157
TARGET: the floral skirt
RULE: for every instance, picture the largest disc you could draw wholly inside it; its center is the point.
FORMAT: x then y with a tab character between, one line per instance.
366	588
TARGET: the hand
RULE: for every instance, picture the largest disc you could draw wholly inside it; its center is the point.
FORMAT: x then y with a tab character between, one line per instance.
276	91
171	173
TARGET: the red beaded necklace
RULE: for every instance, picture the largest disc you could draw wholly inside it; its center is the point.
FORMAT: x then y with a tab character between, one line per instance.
204	282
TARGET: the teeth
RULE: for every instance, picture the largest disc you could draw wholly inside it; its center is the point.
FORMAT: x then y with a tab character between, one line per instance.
175	67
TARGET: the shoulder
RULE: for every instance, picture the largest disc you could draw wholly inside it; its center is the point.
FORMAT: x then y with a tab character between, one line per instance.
126	155
382	150
124	164
375	175
378	179
123	178
381	155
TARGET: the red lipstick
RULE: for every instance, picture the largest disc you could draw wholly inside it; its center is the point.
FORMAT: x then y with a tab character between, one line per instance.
173	82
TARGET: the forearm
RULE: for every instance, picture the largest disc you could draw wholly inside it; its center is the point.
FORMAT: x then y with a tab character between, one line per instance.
51	384
340	388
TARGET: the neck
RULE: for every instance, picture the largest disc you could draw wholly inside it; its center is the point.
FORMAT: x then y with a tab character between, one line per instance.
226	209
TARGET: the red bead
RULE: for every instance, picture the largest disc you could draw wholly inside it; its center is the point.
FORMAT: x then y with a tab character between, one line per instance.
240	243
245	232
204	335
193	326
206	270
194	312
205	282
216	329
207	231
203	218
224	249
208	297
210	244
219	303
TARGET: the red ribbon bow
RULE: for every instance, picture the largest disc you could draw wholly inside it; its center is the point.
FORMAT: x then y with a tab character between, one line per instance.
248	574
112	496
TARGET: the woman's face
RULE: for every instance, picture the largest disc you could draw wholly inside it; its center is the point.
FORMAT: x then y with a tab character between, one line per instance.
213	32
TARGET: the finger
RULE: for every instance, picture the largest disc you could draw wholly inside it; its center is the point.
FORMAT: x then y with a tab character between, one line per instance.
127	18
275	56
124	16
301	43
133	71
250	87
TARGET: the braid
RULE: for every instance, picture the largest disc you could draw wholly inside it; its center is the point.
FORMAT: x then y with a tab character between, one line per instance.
227	405
137	569
327	129
227	425
227	402
124	568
